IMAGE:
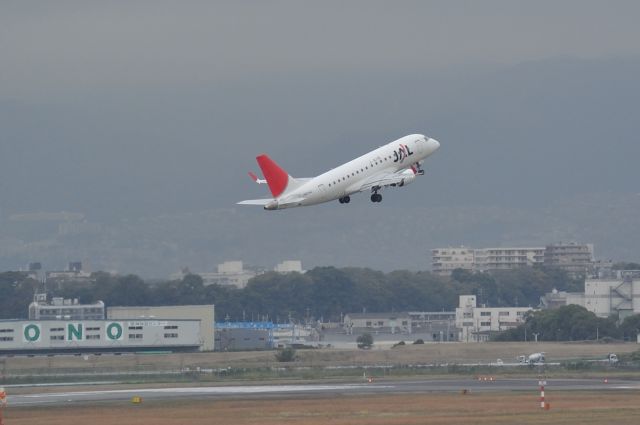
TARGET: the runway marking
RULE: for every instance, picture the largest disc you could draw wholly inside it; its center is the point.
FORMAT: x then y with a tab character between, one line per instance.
253	389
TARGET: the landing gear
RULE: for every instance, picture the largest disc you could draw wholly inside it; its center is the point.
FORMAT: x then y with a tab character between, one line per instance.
376	197
344	200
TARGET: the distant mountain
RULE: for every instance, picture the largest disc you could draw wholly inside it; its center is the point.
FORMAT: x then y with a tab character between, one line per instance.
384	237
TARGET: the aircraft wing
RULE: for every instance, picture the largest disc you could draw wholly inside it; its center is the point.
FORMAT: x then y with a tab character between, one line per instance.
383	179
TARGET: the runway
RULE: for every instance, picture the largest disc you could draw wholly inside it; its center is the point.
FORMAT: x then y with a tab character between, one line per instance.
305	390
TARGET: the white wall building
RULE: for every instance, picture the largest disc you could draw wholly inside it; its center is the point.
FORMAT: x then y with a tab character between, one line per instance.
605	297
230	273
203	314
289	266
476	324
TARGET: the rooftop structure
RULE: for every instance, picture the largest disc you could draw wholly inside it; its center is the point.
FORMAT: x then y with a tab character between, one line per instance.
64	309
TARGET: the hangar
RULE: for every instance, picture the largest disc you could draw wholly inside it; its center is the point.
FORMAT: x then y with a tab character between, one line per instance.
126	329
98	336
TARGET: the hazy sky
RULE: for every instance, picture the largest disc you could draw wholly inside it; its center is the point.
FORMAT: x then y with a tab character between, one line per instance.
66	49
125	109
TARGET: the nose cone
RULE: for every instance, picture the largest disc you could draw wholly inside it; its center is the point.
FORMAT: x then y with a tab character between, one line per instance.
433	144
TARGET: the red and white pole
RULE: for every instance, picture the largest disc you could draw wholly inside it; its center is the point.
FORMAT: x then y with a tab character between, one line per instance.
542	384
3	402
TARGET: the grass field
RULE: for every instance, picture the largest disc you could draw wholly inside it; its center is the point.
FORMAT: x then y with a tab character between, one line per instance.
326	363
495	408
410	354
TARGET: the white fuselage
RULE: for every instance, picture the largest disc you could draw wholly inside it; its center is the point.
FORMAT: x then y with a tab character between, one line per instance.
348	178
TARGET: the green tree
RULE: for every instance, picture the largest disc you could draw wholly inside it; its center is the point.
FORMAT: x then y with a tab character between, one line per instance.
630	327
365	341
626	266
287	354
567	323
16	293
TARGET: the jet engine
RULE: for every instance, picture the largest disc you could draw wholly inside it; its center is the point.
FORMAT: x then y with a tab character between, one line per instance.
407	176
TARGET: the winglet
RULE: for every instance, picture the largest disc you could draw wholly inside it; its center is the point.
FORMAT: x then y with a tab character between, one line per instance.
276	177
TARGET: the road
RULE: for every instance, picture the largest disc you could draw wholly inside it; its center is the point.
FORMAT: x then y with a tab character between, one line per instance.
305	390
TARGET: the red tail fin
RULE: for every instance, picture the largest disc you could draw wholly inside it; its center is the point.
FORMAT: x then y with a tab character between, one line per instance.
276	177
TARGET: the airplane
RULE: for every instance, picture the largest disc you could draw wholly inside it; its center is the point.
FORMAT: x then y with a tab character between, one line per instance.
393	165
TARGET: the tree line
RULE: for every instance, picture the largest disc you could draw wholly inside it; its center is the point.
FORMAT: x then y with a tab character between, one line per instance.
571	323
323	293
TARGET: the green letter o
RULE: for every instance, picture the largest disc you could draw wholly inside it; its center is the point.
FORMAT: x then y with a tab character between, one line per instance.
32	332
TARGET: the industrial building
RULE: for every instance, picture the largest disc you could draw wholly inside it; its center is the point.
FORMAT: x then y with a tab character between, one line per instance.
204	314
427	326
381	322
64	326
238	336
477	324
98	336
243	336
619	296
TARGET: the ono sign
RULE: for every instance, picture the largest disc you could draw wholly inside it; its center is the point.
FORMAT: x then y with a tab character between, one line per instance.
112	331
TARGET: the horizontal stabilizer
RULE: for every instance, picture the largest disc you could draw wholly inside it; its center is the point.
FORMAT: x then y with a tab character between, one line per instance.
255	202
256	179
